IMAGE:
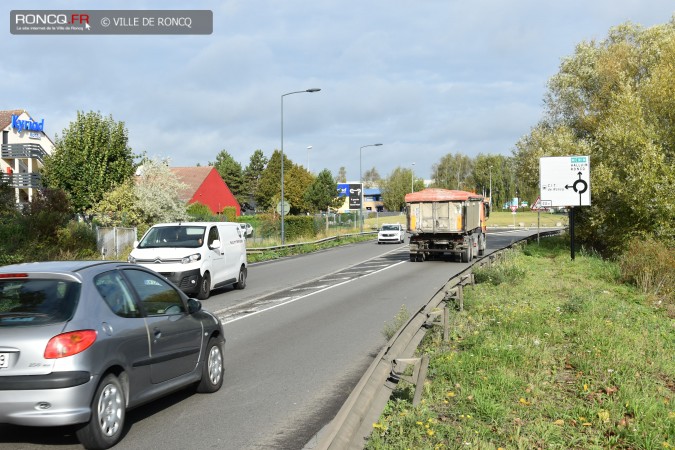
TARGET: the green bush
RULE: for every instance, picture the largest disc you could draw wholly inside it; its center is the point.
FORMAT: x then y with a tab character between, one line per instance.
78	238
230	213
650	265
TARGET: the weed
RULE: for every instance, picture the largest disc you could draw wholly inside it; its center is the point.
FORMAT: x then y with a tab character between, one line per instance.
401	317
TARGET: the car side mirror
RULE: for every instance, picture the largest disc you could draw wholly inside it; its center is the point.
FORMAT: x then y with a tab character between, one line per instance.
194	305
215	244
135	244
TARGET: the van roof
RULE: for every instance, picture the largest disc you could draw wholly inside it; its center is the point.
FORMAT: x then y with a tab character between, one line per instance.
175	224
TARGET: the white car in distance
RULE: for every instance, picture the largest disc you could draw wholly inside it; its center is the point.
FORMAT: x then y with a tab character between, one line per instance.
391	232
246	229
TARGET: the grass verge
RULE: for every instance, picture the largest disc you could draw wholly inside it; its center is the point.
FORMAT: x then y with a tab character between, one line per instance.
561	356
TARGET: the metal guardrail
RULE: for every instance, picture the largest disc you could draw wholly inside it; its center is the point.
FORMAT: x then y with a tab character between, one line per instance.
300	244
353	424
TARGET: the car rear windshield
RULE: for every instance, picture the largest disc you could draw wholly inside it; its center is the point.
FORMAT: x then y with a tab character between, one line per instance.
25	302
183	236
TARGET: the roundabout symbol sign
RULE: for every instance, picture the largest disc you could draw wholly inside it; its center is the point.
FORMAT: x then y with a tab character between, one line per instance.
565	181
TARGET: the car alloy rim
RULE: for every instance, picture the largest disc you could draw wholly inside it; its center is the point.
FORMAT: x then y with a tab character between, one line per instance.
110	410
215	362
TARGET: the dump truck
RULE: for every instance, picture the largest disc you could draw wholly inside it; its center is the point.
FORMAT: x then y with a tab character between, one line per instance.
443	221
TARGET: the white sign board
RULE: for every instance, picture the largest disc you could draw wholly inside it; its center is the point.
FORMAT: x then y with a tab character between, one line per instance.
565	181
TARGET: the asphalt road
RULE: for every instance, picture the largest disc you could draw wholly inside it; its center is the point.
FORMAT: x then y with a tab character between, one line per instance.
299	337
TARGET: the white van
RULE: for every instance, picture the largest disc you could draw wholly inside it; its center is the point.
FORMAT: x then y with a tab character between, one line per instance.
195	256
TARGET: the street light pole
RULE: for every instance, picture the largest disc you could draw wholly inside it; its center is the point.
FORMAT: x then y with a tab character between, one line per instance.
309	147
361	182
283	235
412	178
490	203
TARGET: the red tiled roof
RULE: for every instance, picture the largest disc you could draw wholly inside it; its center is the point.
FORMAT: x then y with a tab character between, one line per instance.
6	117
193	177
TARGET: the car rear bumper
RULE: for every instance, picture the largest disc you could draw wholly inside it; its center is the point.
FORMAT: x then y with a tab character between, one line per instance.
46	400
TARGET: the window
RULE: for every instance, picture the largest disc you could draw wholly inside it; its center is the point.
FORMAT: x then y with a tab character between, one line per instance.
157	296
25	302
116	293
213	235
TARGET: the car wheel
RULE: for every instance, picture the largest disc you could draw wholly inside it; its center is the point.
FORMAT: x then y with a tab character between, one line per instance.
241	281
204	287
212	370
108	411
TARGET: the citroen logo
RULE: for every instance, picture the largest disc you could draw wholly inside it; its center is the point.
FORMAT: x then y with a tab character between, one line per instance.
158	260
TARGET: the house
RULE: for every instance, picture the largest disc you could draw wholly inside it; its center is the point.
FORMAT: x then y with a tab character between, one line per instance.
206	186
24	147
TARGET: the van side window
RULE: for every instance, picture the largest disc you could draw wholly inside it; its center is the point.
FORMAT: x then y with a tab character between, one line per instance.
213	235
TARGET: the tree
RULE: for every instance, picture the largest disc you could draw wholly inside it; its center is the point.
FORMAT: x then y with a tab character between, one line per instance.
395	187
322	193
614	101
119	208
89	159
371	178
269	185
296	181
230	171
341	176
7	202
252	175
157	192
453	172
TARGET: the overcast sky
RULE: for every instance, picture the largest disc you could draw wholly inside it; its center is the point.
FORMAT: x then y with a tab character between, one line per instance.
425	78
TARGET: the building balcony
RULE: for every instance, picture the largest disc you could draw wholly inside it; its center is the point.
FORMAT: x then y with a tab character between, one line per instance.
21	151
22	180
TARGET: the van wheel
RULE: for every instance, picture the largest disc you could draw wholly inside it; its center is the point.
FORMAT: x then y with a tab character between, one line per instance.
204	287
108	411
241	282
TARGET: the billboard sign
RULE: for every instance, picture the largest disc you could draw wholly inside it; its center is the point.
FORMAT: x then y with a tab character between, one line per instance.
355	194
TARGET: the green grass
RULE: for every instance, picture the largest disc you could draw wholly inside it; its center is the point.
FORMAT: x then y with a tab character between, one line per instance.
526	219
562	356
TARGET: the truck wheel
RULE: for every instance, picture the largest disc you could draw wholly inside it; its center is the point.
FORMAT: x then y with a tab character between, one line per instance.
204	287
466	255
413	257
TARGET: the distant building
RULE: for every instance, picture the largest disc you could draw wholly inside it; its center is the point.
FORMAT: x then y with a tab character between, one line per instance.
24	147
206	186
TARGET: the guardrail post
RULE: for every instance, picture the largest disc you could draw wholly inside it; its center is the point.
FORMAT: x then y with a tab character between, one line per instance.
420	368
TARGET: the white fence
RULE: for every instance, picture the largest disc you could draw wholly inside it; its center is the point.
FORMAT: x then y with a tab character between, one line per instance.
113	241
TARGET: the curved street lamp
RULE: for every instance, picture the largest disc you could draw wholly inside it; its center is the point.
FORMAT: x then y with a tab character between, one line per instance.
361	182
283	234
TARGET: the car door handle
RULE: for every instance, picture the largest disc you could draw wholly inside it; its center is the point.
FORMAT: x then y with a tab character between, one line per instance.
157	333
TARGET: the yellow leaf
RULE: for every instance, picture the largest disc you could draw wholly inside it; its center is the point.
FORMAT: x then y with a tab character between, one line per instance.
559	422
604	415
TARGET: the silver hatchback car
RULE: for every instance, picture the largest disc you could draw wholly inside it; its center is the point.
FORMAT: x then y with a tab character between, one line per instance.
81	342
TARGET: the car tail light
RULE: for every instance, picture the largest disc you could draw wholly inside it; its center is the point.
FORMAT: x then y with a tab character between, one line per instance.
13	275
69	344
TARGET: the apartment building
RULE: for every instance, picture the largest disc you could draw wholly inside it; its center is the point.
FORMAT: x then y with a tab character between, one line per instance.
24	147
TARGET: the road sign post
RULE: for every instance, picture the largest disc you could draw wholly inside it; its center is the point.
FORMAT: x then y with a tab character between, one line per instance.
566	181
